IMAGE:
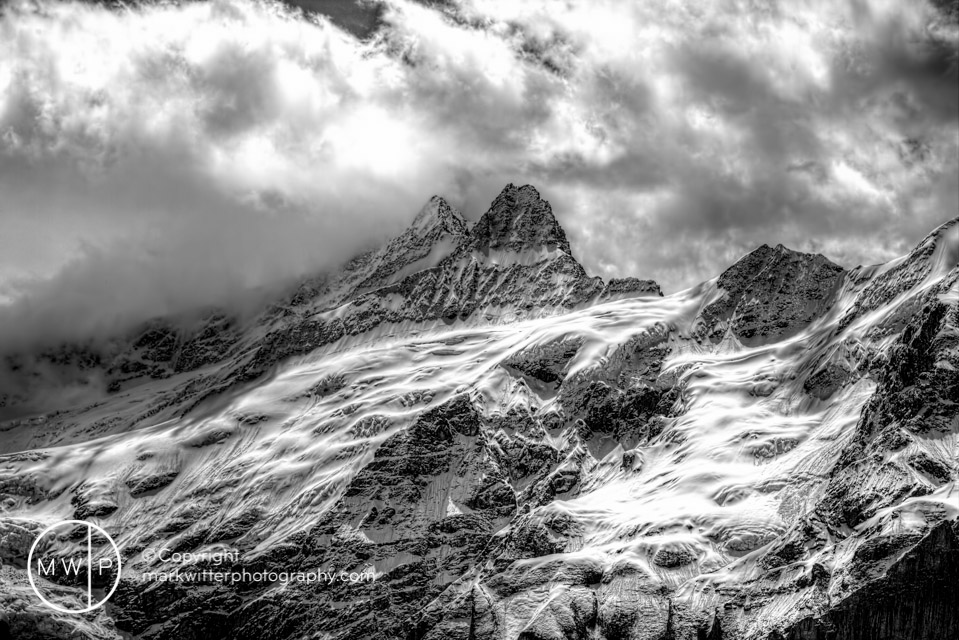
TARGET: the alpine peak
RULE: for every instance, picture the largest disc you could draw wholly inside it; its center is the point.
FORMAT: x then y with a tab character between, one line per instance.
517	220
438	214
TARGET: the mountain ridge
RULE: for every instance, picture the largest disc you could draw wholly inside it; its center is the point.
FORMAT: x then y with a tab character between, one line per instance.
447	269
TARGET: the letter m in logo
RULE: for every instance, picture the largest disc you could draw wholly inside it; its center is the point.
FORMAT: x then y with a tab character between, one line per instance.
45	570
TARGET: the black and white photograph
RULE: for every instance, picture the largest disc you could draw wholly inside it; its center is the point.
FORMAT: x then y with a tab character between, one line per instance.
479	320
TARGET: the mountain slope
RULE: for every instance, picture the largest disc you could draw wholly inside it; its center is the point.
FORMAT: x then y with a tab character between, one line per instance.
516	450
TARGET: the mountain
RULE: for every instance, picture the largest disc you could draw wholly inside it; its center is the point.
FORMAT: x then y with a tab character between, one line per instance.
771	294
510	448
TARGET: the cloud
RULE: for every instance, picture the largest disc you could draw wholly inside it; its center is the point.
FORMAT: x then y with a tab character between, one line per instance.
157	159
162	157
827	126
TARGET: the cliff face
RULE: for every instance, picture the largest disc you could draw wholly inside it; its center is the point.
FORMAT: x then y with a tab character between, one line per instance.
916	598
770	295
513	449
519	220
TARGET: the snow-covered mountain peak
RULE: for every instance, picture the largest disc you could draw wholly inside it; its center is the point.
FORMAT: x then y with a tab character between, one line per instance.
436	231
438	214
896	290
940	249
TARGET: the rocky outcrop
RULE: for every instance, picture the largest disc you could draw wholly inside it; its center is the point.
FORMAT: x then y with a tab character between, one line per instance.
546	363
915	598
627	396
619	288
519	220
771	294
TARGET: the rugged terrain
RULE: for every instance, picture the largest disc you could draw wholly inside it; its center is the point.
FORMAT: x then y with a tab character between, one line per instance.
514	449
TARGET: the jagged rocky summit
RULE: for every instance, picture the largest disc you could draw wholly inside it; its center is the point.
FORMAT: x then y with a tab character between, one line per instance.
517	450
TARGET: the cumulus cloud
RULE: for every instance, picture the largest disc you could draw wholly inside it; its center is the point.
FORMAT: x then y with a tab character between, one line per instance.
826	126
162	157
157	159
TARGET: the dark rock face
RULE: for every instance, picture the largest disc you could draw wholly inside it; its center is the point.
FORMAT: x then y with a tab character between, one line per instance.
93	501
209	345
626	397
915	599
619	288
826	381
519	220
163	349
771	294
546	363
328	385
139	485
606	409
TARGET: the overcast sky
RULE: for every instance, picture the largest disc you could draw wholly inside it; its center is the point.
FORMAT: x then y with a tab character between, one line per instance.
158	158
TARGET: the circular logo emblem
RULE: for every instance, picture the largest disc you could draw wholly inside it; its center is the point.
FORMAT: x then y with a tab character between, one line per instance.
83	566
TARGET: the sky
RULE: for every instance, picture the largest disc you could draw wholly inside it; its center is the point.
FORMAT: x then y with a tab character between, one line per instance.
161	157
